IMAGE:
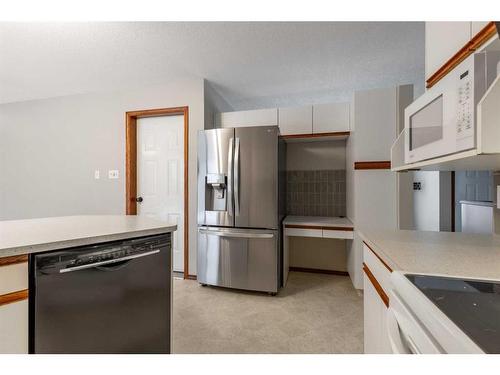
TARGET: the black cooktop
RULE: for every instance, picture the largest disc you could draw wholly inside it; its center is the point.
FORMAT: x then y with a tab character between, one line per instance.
474	306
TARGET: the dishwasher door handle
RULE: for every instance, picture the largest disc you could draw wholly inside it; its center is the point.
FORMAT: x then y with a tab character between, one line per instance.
104	262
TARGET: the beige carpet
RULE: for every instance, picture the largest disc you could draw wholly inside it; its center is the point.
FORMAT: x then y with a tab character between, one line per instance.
314	314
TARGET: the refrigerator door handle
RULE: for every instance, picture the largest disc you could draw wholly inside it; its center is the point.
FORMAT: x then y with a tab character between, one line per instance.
221	233
230	177
237	178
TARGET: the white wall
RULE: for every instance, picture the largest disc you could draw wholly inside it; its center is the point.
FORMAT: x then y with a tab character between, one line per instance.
50	149
214	103
432	204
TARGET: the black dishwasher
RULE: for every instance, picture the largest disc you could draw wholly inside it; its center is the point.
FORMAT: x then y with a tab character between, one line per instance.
113	297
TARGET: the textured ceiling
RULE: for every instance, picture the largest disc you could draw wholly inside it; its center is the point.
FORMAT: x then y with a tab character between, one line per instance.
249	64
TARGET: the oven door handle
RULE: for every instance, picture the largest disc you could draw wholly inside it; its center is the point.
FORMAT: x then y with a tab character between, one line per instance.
104	262
394	333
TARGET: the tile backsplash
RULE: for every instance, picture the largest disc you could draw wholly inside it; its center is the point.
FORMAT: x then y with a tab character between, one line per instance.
316	193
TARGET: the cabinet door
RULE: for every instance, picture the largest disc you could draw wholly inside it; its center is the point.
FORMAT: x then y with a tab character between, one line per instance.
376	339
375	115
14	328
295	120
477	26
258	117
372	318
331	117
442	41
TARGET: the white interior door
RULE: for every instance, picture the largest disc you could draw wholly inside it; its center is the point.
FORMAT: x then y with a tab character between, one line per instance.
160	170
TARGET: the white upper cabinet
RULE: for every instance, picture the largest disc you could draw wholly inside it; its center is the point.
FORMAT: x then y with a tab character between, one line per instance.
295	120
477	26
258	117
330	118
442	41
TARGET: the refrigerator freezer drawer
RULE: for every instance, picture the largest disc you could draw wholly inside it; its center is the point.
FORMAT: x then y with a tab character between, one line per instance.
238	258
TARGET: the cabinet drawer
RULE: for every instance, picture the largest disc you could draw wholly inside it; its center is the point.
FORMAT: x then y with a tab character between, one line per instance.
330	118
341	234
14	328
377	268
13	278
299	232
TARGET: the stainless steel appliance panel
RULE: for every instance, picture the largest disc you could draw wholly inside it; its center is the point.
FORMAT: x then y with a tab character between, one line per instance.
109	298
256	177
238	258
215	165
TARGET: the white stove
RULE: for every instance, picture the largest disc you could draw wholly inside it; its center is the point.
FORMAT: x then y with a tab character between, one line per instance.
441	314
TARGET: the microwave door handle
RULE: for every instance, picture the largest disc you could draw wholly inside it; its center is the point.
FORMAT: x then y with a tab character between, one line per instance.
237	178
229	197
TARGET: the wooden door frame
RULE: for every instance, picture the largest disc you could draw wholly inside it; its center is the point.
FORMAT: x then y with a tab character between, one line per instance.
131	165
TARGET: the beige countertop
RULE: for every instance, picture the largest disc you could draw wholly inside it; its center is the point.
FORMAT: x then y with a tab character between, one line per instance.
454	254
36	235
318	221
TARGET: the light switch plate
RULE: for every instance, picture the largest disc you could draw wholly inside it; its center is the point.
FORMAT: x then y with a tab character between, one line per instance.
498	196
97	174
113	174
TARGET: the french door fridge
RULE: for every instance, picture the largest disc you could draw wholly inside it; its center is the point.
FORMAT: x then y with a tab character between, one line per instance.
238	208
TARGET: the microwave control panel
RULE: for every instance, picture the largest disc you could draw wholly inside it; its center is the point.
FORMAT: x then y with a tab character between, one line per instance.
465	115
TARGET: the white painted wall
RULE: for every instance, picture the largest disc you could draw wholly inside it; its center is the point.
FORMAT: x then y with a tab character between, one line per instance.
426	201
432	204
51	147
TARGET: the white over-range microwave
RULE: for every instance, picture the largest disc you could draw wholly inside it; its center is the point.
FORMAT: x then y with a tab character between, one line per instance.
443	120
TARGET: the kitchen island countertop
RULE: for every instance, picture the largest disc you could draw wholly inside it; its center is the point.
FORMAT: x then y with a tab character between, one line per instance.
19	237
475	256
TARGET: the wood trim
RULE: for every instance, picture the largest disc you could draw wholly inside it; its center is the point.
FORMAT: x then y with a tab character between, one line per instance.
299	226
315	270
470	47
384	164
21	295
190	277
315	135
383	295
15	259
379	258
131	165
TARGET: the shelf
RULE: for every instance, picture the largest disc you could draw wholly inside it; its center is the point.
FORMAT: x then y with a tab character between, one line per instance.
317	137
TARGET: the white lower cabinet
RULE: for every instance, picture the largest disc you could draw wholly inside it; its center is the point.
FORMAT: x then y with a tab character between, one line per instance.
376	340
13	306
14	328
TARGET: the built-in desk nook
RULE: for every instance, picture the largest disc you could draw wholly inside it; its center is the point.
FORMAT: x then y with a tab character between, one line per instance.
339	228
315	227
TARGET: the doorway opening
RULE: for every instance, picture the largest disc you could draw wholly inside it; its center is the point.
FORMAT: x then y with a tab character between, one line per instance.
146	178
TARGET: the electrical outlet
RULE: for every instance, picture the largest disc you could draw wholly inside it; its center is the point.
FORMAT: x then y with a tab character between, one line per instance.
113	174
97	174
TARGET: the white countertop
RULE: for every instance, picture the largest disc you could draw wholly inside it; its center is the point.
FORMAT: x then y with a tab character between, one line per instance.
318	221
453	254
35	235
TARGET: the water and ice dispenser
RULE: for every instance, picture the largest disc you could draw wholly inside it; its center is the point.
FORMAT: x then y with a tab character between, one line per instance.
216	192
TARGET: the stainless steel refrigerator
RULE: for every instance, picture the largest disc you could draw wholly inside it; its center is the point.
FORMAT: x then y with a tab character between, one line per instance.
240	208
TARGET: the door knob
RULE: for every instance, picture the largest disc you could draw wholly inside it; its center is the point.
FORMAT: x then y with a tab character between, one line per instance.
138	199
